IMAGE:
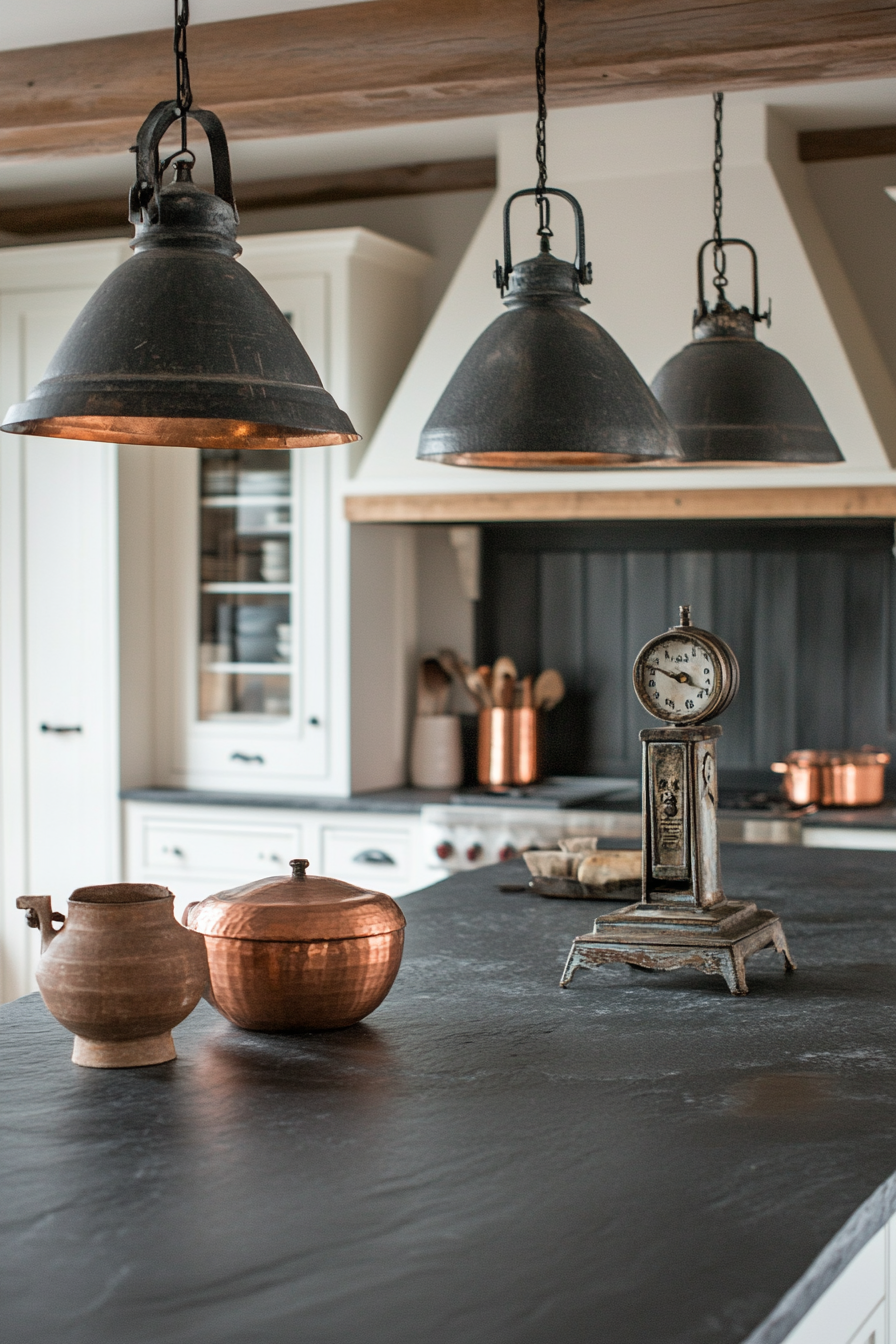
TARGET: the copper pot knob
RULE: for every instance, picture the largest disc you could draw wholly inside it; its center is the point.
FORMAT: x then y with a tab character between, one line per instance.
299	867
444	850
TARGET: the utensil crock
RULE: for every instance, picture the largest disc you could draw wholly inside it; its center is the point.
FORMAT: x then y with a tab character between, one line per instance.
298	953
120	973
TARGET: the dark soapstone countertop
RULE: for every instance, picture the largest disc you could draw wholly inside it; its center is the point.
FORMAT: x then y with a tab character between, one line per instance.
488	1159
383	800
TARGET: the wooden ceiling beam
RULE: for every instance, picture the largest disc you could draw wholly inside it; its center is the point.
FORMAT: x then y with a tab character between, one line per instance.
390	61
408	179
856	142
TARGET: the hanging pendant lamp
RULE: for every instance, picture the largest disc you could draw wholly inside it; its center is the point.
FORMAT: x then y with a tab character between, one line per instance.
733	400
544	387
181	345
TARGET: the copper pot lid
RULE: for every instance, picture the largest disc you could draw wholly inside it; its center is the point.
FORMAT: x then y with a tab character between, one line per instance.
296	909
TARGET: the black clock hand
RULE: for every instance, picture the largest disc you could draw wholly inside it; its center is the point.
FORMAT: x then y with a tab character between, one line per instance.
676	676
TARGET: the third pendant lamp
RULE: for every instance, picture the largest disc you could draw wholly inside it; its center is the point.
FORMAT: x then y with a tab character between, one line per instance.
734	401
544	387
181	345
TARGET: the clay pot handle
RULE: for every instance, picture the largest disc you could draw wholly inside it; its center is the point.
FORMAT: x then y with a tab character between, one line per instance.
41	916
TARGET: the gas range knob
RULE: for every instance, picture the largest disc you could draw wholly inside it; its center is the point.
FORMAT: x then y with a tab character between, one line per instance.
444	849
474	852
506	852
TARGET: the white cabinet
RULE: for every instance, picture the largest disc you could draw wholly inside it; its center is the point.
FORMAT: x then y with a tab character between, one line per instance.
253	625
197	849
58	615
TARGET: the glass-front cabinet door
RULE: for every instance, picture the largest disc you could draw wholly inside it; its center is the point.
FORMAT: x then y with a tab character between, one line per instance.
247	535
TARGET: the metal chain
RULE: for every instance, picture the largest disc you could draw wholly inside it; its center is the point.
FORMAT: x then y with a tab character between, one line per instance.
541	148
181	66
718	252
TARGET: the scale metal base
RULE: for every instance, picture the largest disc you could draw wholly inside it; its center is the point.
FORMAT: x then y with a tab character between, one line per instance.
716	940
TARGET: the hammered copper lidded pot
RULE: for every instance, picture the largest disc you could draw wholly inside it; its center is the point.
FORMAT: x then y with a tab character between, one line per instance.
299	953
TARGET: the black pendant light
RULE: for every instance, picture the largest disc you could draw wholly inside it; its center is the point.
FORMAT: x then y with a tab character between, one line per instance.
734	401
544	387
181	345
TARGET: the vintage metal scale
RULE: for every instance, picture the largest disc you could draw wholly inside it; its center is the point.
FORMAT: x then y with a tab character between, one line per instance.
683	919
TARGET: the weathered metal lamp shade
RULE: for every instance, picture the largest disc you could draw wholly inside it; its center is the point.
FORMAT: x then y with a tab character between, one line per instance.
735	402
544	387
181	345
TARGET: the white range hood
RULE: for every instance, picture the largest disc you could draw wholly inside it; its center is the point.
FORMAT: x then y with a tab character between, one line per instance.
642	172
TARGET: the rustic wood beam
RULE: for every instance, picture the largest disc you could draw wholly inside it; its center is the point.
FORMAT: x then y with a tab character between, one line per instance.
856	142
409	179
556	505
389	61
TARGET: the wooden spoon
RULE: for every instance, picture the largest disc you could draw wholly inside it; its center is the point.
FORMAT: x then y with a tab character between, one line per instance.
549	689
504	667
433	686
475	684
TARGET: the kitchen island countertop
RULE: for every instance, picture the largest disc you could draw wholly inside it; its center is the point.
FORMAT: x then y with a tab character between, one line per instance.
488	1158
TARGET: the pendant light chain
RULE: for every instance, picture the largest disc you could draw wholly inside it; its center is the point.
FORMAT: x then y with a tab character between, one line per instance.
181	66
541	147
718	252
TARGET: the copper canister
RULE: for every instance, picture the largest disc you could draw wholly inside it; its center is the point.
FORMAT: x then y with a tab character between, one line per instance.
526	745
495	747
298	953
854	778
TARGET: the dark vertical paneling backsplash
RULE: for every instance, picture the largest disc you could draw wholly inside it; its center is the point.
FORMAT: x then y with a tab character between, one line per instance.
806	606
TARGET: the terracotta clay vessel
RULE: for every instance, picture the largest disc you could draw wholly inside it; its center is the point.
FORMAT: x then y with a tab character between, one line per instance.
298	953
120	973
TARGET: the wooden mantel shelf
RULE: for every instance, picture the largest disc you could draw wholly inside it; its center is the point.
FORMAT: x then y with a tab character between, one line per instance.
877	501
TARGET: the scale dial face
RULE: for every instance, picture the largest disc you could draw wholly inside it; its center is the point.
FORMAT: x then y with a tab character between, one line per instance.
685	676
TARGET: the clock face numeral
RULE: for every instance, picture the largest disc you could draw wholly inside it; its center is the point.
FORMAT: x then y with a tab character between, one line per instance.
678	679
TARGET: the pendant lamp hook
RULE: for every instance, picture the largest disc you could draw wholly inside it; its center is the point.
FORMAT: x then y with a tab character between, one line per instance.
582	267
718	243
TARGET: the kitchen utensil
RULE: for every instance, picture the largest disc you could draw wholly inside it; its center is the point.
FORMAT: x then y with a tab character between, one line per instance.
120	973
476	684
298	953
433	687
526	700
526	748
503	667
436	754
495	747
549	689
503	690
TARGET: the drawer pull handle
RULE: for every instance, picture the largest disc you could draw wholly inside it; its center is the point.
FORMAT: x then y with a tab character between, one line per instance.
173	849
373	856
241	756
61	728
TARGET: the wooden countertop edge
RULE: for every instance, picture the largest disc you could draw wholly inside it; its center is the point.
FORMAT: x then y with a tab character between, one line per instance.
773	502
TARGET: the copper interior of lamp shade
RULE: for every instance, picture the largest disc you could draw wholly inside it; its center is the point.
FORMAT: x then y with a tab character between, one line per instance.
548	461
177	432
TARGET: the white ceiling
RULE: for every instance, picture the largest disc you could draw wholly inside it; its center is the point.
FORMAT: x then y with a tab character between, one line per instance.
43	22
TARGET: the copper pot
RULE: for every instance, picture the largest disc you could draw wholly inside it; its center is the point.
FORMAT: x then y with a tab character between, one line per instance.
834	779
802	770
120	973
854	778
298	953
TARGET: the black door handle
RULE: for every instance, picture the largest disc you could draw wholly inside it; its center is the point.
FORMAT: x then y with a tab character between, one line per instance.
61	728
241	756
373	856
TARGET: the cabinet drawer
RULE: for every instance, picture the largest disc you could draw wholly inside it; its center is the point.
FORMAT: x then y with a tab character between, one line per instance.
237	851
367	856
